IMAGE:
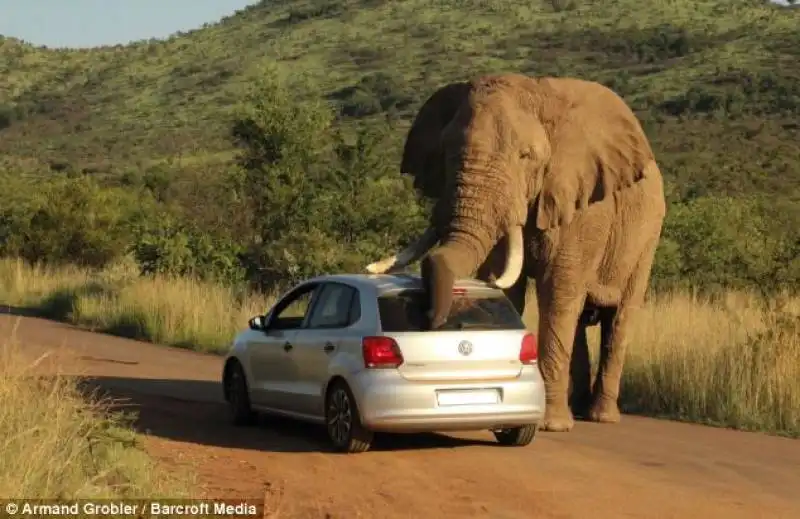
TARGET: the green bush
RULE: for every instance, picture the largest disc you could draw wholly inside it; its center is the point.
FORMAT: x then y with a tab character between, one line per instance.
67	219
648	45
375	93
7	116
629	45
175	248
729	242
563	5
735	92
317	208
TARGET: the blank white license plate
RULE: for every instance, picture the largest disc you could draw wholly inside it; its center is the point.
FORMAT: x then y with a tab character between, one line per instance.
467	397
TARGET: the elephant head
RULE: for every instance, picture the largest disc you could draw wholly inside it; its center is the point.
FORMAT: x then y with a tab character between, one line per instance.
490	151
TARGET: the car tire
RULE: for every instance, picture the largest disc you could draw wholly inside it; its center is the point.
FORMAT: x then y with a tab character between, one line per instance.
238	396
343	422
516	436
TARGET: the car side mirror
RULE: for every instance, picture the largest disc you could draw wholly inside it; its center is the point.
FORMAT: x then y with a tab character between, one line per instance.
257	323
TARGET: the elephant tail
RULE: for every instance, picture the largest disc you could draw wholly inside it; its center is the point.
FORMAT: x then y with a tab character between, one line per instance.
603	295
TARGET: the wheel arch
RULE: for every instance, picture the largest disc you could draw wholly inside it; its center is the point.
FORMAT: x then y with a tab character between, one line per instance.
331	382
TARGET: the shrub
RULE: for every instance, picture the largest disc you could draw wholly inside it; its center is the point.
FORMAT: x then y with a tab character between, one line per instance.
375	93
68	219
734	92
727	242
176	248
316	208
7	116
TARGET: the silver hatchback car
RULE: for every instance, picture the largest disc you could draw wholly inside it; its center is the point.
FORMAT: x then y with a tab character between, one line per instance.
351	352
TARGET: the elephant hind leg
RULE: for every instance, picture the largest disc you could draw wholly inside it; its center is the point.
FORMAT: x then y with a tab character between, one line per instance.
616	326
603	408
614	342
580	368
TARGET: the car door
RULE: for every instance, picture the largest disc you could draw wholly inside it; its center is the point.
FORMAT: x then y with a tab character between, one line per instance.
335	309
270	351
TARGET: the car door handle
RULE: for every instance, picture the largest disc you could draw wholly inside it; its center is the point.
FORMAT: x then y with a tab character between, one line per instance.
287	346
329	347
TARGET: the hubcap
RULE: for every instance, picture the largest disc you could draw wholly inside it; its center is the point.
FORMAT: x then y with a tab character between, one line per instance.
340	417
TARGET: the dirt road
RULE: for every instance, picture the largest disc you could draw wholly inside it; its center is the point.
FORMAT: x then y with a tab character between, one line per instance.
640	468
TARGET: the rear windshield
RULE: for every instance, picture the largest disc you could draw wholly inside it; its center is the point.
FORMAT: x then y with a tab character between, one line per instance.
405	312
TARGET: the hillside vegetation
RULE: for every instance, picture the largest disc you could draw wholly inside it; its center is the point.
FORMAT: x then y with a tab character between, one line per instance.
729	67
156	149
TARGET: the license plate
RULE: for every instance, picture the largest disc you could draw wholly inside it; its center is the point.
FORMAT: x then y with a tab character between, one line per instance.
467	397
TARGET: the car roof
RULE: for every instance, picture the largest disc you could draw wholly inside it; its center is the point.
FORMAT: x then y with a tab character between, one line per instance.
383	283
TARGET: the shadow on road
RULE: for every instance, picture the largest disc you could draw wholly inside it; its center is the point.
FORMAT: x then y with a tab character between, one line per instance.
194	412
20	311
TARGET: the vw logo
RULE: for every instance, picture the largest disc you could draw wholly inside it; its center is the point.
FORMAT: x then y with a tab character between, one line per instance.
464	348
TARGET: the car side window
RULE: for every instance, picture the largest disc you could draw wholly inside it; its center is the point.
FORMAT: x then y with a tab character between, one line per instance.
292	311
334	307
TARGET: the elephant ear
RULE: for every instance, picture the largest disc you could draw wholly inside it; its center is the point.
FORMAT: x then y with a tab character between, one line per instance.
422	153
588	166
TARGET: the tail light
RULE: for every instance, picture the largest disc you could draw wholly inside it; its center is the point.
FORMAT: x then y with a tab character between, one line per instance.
529	350
381	352
459	291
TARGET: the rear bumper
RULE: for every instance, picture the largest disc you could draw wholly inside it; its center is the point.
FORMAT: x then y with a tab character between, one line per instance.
388	402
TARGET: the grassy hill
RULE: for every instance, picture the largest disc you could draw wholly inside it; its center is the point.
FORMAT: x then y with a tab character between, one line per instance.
717	81
141	135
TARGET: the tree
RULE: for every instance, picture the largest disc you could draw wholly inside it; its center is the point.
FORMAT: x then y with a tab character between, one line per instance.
319	201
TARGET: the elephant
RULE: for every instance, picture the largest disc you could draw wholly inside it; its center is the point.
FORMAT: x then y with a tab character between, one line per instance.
549	179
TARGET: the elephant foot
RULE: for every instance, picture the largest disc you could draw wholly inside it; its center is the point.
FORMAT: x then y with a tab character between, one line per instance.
605	410
557	421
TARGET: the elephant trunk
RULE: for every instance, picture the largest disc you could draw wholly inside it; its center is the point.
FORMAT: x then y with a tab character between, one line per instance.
481	213
455	260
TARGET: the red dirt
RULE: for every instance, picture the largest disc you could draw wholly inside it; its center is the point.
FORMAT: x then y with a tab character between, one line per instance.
638	468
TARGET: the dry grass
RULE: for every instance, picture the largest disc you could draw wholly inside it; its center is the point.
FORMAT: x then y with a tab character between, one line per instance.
56	443
732	360
178	312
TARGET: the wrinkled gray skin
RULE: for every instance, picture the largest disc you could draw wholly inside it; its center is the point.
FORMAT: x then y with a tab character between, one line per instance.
550	180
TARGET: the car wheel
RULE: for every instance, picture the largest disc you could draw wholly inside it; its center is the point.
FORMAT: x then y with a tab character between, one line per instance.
238	396
516	436
343	421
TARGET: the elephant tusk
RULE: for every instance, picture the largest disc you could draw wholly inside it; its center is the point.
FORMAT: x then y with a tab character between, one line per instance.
407	256
514	259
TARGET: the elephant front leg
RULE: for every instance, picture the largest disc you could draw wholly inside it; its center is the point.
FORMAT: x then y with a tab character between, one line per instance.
558	319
